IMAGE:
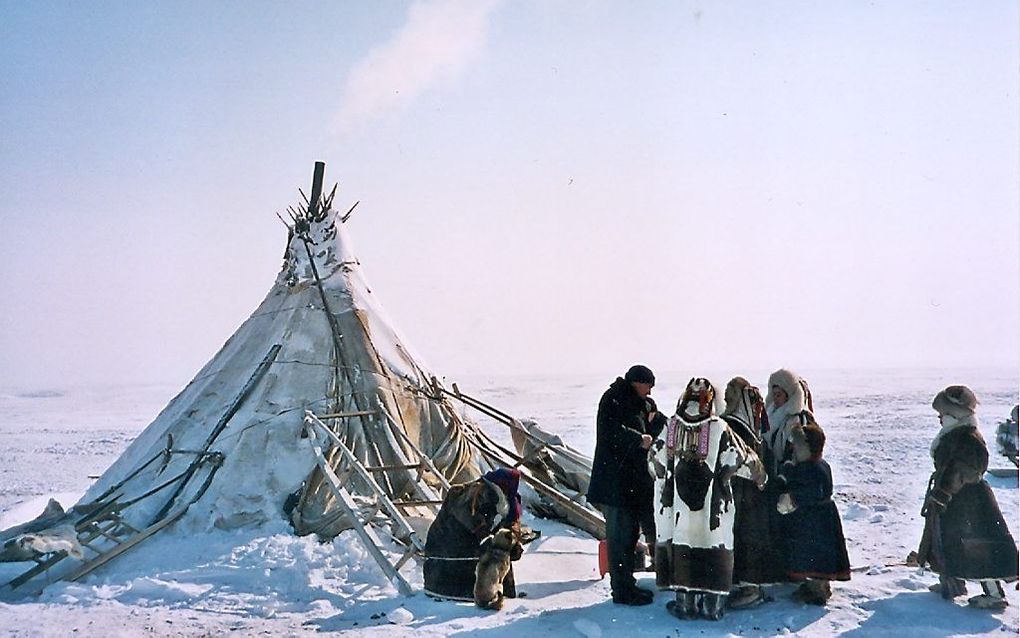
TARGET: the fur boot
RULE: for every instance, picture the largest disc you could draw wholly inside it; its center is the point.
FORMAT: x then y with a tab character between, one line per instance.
993	597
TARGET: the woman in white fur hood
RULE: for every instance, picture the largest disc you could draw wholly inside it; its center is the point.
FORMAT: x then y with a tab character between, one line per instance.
788	404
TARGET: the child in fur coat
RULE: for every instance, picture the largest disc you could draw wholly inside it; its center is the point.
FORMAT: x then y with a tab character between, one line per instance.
814	546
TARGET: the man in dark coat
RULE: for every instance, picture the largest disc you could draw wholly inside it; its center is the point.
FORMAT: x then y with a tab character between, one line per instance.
965	536
627	423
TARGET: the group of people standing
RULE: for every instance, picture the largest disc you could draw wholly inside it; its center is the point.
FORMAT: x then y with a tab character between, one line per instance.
732	494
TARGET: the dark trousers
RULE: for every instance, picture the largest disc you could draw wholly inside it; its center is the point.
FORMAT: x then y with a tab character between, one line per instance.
623	526
647	521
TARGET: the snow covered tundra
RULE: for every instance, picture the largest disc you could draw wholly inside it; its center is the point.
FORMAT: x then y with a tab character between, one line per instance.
266	581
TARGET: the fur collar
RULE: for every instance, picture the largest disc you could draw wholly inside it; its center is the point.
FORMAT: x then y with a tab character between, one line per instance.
949	424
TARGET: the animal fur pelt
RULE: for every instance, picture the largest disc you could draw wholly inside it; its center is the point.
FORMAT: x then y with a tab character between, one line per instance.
498	550
50	532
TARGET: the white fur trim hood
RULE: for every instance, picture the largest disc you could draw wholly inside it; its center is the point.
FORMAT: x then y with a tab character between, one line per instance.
789	381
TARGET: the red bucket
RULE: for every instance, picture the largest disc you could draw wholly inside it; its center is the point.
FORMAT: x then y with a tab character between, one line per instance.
640	552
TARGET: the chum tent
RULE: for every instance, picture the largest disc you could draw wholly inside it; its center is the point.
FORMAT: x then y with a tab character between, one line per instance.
315	381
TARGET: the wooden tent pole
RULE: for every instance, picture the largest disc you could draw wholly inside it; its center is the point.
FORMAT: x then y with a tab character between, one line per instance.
313	201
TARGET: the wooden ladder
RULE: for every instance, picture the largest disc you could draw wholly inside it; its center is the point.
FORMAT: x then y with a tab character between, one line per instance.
397	510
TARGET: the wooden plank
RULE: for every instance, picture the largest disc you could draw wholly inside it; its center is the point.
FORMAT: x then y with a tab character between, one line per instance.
112	537
365	532
387	468
424	459
99	561
313	201
345	415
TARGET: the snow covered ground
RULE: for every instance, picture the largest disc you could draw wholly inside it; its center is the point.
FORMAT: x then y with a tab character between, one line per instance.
266	581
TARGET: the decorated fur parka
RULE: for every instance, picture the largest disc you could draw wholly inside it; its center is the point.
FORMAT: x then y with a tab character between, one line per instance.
756	560
694	460
965	535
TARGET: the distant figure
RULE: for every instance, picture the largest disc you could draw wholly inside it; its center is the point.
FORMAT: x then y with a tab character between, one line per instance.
627	422
965	536
756	561
1006	435
812	532
694	463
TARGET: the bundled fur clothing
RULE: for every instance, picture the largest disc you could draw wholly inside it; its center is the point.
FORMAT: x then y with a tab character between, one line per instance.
619	473
965	535
470	512
756	560
694	460
812	534
781	420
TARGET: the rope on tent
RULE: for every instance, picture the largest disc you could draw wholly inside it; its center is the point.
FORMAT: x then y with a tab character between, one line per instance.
256	376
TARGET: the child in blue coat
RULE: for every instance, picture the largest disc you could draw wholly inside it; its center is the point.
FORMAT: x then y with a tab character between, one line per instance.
813	542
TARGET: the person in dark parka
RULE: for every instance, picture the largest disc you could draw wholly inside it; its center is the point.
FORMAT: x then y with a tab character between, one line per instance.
965	536
470	512
627	423
812	532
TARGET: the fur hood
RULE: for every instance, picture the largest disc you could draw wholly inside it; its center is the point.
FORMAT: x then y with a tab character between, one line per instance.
790	382
740	397
783	418
957	401
717	406
733	395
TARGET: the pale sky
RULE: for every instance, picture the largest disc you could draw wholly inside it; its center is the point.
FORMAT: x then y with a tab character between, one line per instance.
544	186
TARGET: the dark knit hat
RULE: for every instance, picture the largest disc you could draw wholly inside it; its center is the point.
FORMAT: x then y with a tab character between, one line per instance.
640	374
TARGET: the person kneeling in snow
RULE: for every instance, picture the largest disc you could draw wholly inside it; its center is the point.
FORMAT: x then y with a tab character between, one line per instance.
965	536
812	532
470	513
